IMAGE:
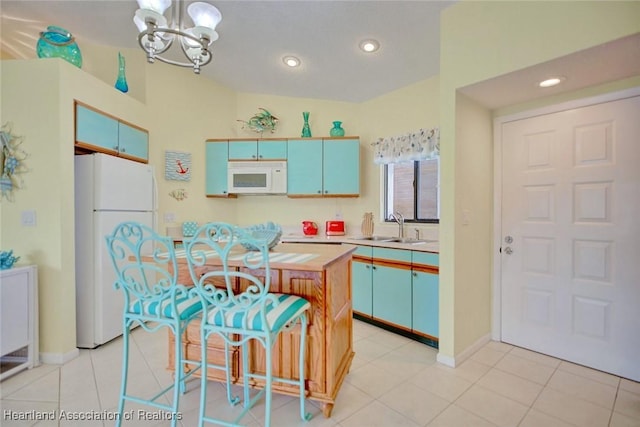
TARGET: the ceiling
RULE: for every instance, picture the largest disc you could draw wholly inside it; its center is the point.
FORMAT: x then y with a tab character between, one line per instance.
255	35
324	34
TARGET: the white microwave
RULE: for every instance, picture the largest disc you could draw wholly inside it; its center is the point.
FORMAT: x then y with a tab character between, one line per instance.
257	177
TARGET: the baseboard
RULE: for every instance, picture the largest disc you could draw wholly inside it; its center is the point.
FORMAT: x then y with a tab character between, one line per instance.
467	353
59	358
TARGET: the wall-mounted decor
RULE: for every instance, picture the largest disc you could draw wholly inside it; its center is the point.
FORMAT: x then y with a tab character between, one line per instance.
179	194
177	166
11	162
261	121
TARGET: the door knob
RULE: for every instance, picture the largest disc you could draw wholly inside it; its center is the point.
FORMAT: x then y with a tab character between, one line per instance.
508	239
508	250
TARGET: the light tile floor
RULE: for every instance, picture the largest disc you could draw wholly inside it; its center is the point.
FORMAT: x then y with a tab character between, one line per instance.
393	381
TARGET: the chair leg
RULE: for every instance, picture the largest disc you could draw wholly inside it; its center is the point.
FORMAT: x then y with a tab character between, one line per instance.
203	377
303	337
178	380
125	373
245	372
268	381
233	400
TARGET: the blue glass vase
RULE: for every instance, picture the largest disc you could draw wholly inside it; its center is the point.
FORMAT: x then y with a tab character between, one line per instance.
56	42
336	130
121	82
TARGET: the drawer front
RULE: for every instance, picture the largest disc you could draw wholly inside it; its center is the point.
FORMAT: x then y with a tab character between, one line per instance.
364	251
392	254
425	258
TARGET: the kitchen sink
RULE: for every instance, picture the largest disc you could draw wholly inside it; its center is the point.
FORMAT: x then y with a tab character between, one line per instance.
405	240
410	240
376	238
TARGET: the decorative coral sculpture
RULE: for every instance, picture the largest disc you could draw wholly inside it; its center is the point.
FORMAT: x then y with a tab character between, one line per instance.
261	122
7	259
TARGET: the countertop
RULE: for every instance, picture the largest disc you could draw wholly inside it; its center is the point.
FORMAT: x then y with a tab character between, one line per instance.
431	246
288	256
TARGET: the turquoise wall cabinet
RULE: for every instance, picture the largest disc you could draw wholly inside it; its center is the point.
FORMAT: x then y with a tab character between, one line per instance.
216	168
96	131
327	167
263	149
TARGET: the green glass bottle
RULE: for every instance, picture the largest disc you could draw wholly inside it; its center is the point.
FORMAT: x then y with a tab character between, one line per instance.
306	130
121	82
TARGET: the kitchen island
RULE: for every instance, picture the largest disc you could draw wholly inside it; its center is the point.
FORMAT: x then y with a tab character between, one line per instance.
322	275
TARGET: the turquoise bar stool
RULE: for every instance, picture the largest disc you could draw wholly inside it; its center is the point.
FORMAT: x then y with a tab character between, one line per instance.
239	308
146	273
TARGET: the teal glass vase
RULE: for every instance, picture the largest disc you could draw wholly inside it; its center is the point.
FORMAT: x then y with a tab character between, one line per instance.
336	130
121	81
56	42
306	130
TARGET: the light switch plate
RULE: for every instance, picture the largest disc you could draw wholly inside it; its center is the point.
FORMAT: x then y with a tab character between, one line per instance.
28	218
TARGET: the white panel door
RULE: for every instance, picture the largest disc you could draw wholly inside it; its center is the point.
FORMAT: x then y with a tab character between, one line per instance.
570	259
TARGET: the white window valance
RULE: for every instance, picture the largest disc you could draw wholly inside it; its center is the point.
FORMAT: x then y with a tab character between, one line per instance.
420	145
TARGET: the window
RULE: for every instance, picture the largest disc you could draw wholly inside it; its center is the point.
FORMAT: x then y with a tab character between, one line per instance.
411	174
412	188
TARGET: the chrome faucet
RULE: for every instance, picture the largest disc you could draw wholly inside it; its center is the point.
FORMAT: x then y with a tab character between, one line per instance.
397	217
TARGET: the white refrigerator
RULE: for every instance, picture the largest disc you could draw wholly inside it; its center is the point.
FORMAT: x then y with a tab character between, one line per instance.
108	190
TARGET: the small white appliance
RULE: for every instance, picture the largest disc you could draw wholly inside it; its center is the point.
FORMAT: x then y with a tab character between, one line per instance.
257	177
108	190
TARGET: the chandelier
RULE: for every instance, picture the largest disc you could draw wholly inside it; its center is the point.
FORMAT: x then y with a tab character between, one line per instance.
157	34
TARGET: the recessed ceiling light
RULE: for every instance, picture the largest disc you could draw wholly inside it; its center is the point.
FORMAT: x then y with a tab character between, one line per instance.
552	81
291	61
369	45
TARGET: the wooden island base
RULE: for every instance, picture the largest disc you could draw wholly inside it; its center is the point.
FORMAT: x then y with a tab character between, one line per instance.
325	281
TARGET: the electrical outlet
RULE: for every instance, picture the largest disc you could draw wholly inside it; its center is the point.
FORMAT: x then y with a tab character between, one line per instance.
338	215
466	216
169	217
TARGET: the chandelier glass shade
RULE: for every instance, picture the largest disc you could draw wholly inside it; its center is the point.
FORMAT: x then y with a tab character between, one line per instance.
157	33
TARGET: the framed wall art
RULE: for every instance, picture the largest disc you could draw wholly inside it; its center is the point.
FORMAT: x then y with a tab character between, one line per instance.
177	166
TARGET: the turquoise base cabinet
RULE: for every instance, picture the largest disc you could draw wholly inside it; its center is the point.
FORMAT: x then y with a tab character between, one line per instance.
425	303
392	295
398	290
361	281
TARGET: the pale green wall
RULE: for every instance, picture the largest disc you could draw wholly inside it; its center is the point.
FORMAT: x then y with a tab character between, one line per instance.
186	110
37	96
482	40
